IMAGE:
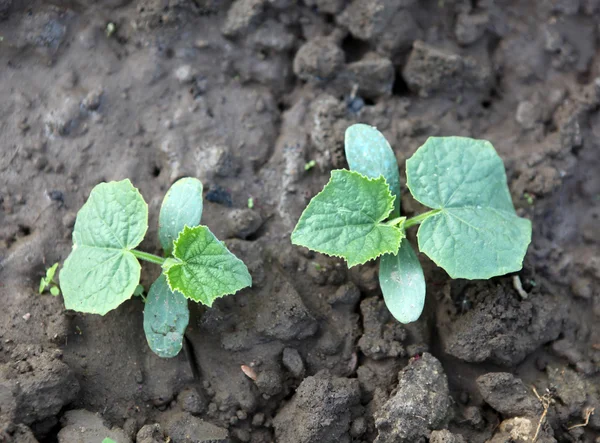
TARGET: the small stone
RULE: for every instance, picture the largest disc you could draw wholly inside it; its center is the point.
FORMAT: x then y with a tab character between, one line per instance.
242	223
292	361
92	100
269	382
528	115
40	162
191	401
324	402
258	419
242	15
445	436
184	74
473	417
420	403
150	434
183	425
374	75
470	27
507	394
347	294
318	60
582	287
241	434
358	427
430	69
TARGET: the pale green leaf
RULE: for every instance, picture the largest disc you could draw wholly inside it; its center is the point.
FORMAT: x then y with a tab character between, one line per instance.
369	153
101	272
166	316
46	281
345	219
50	272
206	269
402	283
475	233
182	206
108	440
55	291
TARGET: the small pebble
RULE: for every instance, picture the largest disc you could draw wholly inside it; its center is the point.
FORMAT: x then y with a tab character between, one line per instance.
359	427
183	74
260	105
258	419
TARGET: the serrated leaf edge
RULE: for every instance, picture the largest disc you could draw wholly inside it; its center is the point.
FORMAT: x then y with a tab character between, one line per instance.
174	288
389	211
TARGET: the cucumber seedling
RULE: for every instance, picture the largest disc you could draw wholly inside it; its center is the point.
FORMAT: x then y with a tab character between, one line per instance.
48	282
472	230
102	270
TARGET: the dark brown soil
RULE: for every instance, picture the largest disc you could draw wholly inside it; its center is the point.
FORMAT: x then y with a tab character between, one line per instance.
242	95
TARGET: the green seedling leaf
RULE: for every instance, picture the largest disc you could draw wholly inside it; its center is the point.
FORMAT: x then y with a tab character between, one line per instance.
400	276
182	206
474	232
206	269
345	219
402	283
166	316
309	165
369	153
49	278
55	291
108	440
101	272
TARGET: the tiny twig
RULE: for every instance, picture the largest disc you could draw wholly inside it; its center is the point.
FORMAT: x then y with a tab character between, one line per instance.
545	400
588	413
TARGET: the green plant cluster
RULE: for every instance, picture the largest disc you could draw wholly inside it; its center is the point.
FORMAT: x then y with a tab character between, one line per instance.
103	270
471	230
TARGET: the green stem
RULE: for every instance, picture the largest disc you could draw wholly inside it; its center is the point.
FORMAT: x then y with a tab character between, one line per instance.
395	221
420	218
148	257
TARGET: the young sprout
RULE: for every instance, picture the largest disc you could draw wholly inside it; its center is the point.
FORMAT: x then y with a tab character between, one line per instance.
48	282
309	165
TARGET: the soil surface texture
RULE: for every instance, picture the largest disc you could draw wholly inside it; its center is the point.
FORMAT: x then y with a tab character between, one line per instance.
242	95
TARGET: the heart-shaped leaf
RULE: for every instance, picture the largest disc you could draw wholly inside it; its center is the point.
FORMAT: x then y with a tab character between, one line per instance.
368	152
204	269
182	206
345	219
101	272
166	316
475	232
